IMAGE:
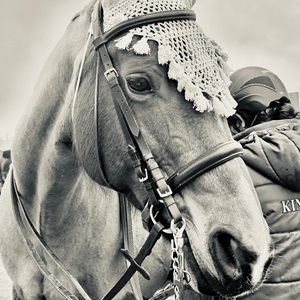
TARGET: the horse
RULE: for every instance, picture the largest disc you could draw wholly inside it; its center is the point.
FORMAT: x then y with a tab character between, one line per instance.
95	103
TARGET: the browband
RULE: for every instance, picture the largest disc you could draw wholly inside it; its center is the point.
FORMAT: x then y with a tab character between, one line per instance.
139	21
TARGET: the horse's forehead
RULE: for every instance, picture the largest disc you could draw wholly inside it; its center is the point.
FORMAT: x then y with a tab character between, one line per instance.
194	61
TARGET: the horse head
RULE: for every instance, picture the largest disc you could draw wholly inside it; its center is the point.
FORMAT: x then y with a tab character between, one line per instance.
160	66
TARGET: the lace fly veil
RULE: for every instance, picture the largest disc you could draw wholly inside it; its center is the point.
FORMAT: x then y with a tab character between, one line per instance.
194	60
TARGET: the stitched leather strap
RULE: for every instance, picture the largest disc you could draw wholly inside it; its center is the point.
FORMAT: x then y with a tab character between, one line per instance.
131	128
140	21
210	160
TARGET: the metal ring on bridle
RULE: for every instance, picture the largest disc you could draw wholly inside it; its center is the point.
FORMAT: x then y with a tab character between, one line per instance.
166	230
188	276
173	227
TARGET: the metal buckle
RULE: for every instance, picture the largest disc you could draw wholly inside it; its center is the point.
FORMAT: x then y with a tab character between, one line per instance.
166	193
110	71
143	179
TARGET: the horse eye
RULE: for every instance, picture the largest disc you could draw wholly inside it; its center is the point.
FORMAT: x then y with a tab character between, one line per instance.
139	84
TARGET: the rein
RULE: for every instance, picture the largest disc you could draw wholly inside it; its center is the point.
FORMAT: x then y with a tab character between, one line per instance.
161	214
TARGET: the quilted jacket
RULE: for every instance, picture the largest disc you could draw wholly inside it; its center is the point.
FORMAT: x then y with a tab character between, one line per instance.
272	154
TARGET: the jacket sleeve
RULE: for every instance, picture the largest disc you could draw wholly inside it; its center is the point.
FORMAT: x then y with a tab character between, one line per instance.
275	153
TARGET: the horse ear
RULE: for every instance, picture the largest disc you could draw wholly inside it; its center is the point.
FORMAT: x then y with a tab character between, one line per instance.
193	2
108	4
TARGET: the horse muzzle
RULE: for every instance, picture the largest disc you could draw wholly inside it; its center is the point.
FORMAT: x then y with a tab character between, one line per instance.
239	271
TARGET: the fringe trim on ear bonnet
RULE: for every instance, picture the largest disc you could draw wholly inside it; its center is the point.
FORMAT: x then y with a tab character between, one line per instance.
195	61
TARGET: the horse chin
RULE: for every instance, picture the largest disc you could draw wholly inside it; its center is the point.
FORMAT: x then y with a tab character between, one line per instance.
205	284
227	289
202	282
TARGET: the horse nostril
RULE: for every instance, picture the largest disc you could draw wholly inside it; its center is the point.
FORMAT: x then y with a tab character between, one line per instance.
233	261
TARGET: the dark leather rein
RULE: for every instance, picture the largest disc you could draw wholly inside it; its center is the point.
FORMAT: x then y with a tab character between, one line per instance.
160	191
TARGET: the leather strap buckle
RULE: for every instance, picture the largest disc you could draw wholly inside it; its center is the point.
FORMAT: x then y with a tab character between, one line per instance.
111	71
166	193
146	177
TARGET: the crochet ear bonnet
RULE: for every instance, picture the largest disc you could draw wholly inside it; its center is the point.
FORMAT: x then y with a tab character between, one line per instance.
195	61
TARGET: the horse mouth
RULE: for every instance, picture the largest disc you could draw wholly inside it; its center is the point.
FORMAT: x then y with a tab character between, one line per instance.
234	268
212	286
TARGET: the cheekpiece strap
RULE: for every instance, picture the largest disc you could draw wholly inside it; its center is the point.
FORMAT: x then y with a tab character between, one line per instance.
146	166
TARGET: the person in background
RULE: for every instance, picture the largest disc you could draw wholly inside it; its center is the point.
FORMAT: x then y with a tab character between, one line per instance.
267	126
5	161
5	164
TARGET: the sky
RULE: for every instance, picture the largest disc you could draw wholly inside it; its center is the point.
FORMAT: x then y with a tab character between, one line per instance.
252	32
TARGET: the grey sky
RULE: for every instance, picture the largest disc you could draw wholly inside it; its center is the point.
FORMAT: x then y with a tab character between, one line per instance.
251	32
256	32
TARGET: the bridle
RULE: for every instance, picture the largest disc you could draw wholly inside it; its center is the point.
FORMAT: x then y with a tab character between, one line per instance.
161	214
144	163
160	191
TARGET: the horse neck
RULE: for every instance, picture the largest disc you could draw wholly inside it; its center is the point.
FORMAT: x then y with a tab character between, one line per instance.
42	138
62	201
